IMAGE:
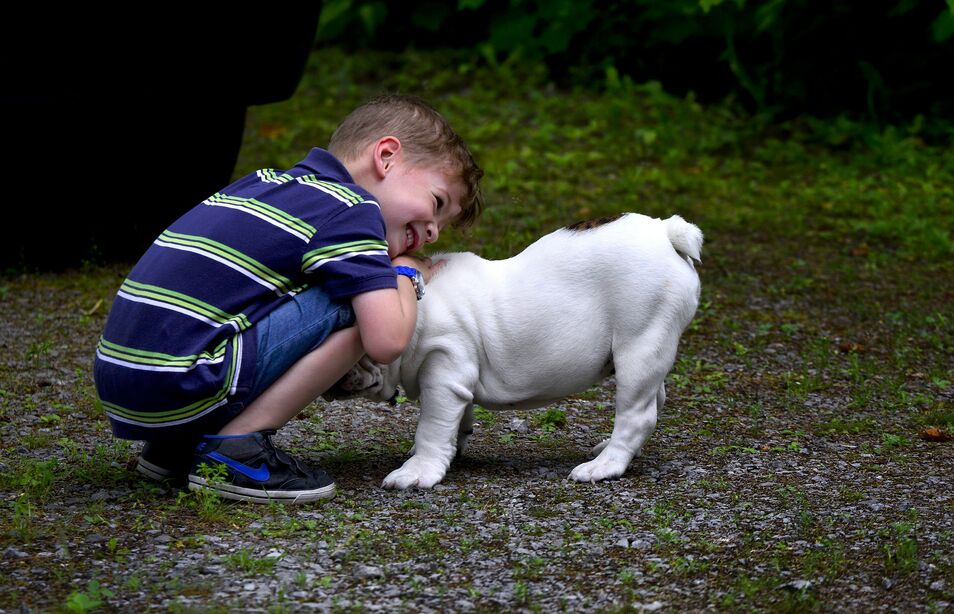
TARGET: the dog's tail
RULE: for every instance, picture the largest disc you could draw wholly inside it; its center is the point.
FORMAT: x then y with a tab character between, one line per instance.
686	238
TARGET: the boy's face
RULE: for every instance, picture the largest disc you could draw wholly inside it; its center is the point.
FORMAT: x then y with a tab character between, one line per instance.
417	202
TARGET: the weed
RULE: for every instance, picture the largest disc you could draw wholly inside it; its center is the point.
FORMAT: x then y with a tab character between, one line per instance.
842	426
666	536
36	440
827	560
206	501
33	478
901	549
894	441
133	582
39	349
113	550
426	541
245	560
23	519
50	420
484	416
626	576
93	598
521	592
550	420
688	565
105	465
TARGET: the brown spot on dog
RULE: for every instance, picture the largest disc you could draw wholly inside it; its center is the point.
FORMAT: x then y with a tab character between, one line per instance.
590	224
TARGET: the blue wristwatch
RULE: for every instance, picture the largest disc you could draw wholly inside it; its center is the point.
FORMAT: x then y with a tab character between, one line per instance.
417	280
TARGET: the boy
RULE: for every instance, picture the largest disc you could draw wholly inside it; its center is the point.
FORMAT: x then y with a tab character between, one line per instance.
257	300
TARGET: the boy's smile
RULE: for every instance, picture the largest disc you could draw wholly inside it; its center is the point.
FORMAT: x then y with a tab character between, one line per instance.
417	199
417	203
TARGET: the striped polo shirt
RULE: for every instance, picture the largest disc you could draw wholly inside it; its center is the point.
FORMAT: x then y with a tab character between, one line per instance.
179	341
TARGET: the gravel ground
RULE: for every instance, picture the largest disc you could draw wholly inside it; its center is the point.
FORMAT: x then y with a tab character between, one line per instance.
755	493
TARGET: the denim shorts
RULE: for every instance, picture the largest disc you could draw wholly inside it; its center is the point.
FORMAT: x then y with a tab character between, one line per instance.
293	330
283	337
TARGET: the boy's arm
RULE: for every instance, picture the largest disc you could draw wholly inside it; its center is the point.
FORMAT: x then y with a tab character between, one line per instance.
386	318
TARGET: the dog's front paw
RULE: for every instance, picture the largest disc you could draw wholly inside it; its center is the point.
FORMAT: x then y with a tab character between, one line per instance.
605	466
415	472
598	449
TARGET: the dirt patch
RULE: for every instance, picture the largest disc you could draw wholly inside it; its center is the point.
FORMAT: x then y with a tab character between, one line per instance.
786	474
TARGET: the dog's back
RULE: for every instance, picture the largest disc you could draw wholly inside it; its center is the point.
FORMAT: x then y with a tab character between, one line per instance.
584	288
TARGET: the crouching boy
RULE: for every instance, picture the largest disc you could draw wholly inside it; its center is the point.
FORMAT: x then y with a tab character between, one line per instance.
261	297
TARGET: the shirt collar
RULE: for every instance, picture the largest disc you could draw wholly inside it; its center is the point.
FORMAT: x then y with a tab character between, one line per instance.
321	162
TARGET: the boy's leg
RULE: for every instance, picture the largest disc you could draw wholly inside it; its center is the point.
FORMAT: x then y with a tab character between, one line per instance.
303	348
303	383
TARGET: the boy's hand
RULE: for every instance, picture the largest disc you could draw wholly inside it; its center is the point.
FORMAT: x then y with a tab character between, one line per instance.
426	266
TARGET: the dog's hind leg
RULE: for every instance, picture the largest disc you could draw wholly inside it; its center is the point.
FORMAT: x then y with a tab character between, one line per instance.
641	368
660	401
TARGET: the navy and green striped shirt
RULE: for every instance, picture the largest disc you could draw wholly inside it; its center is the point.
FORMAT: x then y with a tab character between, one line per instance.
175	346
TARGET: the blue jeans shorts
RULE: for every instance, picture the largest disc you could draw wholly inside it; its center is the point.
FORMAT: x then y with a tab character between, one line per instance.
293	330
283	337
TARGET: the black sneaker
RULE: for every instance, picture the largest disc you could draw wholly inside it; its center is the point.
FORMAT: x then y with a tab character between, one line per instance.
257	471
161	460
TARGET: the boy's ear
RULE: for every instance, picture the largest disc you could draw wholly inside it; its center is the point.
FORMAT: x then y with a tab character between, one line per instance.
387	151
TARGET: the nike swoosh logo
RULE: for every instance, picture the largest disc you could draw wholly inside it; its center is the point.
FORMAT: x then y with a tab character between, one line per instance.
261	474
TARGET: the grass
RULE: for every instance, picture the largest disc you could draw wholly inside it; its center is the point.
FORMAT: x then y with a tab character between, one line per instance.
823	331
636	147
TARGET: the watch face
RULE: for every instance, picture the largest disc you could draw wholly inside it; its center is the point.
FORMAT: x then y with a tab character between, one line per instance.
419	285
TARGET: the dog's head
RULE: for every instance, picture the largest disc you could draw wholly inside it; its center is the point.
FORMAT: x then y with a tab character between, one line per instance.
366	379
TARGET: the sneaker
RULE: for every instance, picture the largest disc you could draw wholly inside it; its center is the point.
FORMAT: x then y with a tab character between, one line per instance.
258	471
163	461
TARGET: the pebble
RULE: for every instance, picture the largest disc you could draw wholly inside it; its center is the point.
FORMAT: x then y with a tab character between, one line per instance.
519	425
368	571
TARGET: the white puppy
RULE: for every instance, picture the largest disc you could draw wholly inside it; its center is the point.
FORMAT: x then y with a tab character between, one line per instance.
581	302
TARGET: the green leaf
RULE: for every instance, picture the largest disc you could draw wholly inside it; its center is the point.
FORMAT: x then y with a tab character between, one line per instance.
943	27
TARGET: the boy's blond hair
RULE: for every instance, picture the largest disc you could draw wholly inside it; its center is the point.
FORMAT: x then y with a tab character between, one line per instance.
427	139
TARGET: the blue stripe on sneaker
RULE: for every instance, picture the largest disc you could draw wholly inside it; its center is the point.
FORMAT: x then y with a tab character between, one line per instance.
261	474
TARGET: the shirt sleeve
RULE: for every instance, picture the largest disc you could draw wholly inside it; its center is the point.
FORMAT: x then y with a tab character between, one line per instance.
349	253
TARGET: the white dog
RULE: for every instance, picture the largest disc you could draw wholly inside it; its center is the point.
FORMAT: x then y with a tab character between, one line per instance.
581	302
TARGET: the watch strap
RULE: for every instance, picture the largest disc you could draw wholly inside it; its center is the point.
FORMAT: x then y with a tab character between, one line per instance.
417	279
407	271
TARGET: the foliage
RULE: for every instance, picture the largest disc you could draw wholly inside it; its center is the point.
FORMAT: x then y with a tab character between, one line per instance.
91	599
551	419
206	501
554	156
882	60
783	464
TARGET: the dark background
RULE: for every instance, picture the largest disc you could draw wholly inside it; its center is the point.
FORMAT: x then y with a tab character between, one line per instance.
115	124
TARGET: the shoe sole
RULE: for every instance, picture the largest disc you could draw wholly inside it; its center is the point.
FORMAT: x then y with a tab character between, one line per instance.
237	493
153	472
